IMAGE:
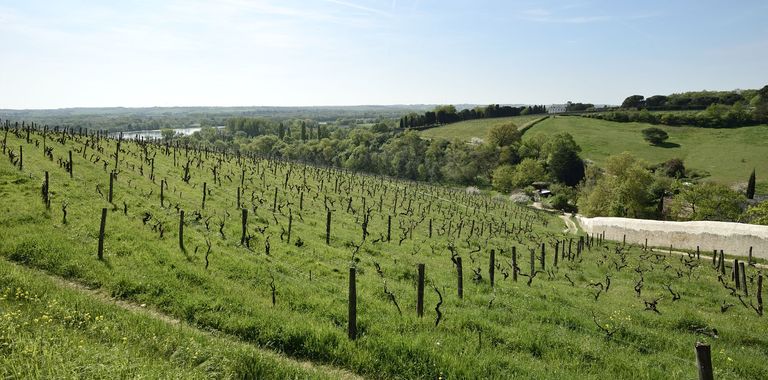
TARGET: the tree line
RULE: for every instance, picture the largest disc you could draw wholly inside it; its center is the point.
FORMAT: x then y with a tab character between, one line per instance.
384	149
692	100
729	110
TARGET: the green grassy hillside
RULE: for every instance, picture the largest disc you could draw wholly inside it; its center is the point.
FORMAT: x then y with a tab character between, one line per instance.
279	286
466	130
50	329
729	155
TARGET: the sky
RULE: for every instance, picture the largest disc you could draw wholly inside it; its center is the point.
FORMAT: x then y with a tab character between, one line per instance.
56	54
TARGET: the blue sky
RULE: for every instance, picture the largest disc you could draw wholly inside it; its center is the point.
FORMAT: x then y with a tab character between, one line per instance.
342	52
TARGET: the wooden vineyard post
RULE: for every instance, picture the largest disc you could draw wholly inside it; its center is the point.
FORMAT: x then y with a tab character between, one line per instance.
111	180
117	150
420	292
760	293
430	231
181	230
492	267
71	165
21	157
743	278
557	248
704	361
460	277
352	308
389	227
714	259
533	262
562	251
101	233
328	228
736	276
244	222
514	264
274	203
290	226
750	256
722	262
162	193
238	197
543	257
205	192
46	192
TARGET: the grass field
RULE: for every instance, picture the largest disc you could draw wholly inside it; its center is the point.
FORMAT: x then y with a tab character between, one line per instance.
729	155
51	330
553	322
466	130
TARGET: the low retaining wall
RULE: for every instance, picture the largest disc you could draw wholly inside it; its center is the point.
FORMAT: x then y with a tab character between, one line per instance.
732	238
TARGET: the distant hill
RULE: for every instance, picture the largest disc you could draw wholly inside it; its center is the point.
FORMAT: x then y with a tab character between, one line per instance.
727	155
122	118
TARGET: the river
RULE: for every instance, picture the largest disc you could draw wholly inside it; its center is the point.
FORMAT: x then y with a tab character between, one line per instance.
156	133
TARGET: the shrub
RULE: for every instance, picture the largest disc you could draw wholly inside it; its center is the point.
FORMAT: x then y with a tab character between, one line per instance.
654	135
674	168
520	198
560	202
503	178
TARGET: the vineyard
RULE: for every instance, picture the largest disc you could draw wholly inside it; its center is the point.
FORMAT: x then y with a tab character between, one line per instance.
377	277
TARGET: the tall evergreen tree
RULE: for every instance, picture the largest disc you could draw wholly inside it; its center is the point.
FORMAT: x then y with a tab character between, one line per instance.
751	186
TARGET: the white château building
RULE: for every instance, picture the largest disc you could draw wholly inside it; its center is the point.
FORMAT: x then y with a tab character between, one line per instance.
556	108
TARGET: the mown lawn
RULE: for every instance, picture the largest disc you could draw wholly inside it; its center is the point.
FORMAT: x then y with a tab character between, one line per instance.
466	130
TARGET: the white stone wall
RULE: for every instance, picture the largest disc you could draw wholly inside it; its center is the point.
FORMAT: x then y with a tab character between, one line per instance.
732	238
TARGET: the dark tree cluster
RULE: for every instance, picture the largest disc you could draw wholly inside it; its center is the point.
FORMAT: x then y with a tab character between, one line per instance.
578	107
698	100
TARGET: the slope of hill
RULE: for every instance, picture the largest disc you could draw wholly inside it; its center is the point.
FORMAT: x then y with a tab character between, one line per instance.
728	155
466	130
263	251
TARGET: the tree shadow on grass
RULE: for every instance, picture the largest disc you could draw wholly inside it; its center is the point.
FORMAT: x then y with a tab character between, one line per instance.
667	144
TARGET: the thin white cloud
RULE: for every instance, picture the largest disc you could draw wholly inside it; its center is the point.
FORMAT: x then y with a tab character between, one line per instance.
548	16
359	7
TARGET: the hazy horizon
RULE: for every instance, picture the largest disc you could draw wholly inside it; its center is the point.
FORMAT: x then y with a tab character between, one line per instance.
266	53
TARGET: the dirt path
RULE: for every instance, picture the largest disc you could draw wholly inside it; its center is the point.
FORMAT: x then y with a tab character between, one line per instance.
102	296
570	226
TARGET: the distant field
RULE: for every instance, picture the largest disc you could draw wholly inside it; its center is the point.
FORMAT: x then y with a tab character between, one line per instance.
729	155
466	130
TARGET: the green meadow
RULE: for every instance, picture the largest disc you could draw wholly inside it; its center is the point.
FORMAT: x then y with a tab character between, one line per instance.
727	155
466	130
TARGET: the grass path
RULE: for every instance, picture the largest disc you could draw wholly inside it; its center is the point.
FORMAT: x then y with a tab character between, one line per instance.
100	296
